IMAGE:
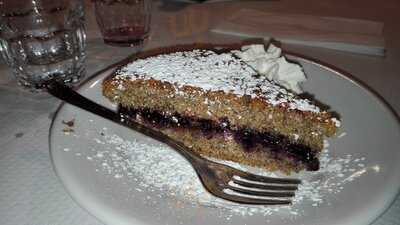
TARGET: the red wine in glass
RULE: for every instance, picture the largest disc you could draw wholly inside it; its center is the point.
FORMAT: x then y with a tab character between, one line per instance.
124	22
126	36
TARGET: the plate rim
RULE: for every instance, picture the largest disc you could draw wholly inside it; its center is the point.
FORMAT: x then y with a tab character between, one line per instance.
289	54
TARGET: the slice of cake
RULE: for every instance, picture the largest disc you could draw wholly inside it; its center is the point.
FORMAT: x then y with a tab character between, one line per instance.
217	104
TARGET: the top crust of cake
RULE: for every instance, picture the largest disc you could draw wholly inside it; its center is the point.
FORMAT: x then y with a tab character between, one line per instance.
211	72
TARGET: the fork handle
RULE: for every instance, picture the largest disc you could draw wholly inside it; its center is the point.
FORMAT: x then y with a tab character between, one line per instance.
67	94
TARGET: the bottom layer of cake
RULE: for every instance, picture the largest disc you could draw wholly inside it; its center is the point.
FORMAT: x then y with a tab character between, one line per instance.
265	150
223	149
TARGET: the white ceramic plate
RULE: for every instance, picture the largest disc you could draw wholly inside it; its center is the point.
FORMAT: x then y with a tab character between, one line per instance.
372	132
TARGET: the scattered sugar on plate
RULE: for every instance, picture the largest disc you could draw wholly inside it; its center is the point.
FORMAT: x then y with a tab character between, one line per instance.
342	135
159	168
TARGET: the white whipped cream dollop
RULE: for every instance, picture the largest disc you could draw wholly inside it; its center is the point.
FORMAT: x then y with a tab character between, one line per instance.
273	65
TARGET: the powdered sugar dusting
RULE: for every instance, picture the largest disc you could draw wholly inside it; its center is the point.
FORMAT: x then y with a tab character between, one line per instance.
211	72
160	168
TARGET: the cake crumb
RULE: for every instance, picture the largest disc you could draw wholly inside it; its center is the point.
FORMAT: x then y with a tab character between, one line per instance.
68	130
69	123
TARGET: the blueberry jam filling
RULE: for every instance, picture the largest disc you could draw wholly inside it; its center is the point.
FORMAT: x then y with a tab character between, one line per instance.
277	145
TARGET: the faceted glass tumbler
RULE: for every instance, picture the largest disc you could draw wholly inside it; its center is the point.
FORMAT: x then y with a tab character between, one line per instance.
42	40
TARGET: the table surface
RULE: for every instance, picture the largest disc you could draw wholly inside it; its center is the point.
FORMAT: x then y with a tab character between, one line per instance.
30	191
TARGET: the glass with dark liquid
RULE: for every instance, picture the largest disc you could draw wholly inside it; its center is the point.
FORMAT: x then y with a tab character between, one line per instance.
123	22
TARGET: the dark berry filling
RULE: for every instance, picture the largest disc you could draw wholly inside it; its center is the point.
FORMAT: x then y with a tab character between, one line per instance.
276	144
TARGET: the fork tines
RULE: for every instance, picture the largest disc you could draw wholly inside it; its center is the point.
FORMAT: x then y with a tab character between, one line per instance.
253	189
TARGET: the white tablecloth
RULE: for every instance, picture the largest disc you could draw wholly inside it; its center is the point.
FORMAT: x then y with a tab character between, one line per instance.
30	192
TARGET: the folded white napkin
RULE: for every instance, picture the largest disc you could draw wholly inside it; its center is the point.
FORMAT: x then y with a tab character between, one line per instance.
352	35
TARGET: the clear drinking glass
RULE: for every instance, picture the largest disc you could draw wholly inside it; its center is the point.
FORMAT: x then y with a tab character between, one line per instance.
42	40
123	22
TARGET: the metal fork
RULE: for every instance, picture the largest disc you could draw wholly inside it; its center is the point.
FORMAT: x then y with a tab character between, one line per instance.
220	180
